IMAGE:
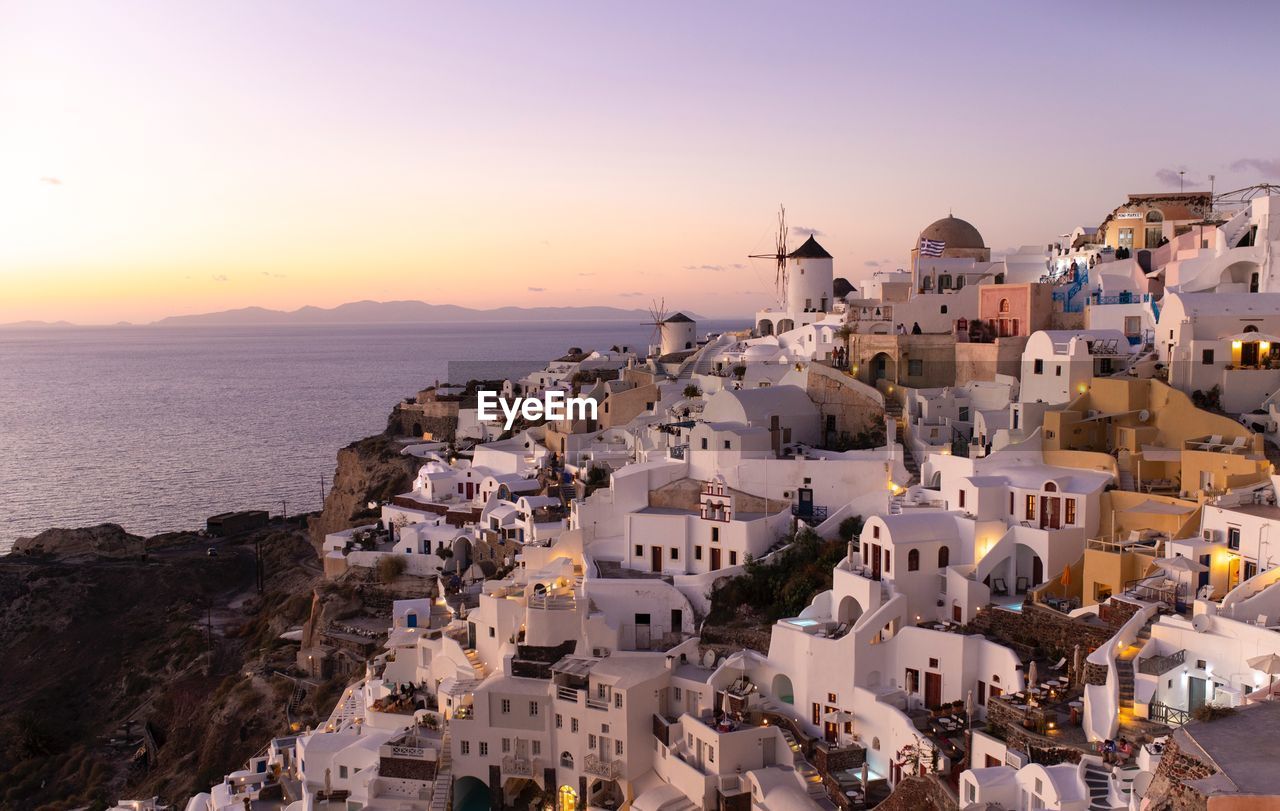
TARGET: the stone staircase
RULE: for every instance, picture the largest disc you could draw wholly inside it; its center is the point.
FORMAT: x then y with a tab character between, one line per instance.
1110	789
442	788
476	664
812	780
893	410
1125	669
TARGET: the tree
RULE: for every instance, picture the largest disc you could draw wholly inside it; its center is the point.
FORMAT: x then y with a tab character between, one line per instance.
692	390
850	528
917	759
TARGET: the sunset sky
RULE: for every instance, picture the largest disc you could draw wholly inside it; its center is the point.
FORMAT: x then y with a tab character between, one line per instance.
165	158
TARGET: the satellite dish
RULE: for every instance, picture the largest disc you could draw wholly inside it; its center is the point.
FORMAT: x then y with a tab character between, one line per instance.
1141	783
1201	623
709	658
373	505
1144	415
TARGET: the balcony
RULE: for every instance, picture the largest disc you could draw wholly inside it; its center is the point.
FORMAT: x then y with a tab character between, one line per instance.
607	769
513	766
810	513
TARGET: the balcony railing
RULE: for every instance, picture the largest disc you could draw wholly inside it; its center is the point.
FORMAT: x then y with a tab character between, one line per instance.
1171	716
1160	665
608	769
519	766
809	512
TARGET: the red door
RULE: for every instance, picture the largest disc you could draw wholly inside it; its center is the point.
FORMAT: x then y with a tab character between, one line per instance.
655	559
715	558
932	690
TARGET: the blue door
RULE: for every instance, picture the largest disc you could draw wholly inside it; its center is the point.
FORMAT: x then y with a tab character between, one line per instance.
411	620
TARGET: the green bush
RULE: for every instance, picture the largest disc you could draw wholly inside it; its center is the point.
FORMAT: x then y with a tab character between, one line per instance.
782	587
850	528
692	390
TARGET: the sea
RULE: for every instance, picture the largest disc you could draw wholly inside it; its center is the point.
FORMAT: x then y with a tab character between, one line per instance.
157	428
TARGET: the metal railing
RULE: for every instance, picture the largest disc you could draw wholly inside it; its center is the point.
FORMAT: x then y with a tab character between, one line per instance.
809	512
1170	716
608	769
1160	665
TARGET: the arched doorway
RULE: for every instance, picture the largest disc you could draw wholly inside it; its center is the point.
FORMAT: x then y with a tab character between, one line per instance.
417	429
566	799
765	327
786	325
471	794
849	612
782	689
882	367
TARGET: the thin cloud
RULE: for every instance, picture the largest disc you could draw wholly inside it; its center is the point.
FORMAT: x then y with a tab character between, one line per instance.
592	273
738	266
630	295
1264	167
872	263
51	181
713	268
274	275
803	231
1171	178
220	277
537	289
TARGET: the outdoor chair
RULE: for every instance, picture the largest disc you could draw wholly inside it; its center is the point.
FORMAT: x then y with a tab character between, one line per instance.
998	586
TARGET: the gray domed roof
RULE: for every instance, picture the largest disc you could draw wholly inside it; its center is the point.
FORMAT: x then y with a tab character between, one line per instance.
955	232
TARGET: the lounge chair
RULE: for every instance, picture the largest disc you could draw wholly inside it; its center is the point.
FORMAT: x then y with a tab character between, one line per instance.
1022	584
1061	663
998	586
1263	620
1238	442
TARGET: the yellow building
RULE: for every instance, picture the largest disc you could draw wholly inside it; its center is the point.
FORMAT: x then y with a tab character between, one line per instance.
1146	221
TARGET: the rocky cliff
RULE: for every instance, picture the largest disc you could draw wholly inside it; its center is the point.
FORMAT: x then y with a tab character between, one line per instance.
371	469
101	541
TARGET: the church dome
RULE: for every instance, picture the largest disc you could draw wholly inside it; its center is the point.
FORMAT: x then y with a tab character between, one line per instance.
955	232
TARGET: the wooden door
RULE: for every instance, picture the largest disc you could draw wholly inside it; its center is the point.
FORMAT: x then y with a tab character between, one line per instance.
655	558
875	561
715	558
932	690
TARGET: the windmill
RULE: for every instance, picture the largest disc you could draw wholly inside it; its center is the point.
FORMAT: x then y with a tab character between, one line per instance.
658	312
780	256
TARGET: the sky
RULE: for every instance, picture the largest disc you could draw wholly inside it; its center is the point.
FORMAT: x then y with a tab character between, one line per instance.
162	158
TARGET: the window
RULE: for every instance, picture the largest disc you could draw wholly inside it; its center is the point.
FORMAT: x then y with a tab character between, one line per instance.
1071	511
342	772
733	558
1010	503
915	367
617	700
1031	508
506	706
944	281
1126	238
1039	366
602	690
964	413
617	747
506	745
536	747
678	693
886	561
675	553
573	725
466	747
944	557
727	446
1057	370
1206	357
913	560
1233	537
715	534
591	741
875	531
933	663
639	550
962	492
559	721
492	632
711	754
913	680
944	309
533	708
704	443
697	553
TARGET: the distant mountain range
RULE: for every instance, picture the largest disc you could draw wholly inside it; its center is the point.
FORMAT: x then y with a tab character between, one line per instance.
382	312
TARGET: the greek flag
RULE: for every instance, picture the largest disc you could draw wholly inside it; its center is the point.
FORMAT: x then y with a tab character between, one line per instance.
931	247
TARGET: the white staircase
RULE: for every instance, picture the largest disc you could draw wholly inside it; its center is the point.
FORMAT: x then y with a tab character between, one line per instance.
442	788
476	664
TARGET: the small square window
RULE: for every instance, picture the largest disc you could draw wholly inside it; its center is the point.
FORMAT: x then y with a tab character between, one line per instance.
675	553
697	553
639	550
1206	357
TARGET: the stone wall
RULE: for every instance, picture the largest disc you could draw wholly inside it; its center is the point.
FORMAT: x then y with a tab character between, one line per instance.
919	794
857	408
1168	790
983	361
1040	627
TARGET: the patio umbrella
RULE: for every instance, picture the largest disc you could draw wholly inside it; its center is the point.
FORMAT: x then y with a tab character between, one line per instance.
1179	564
1066	575
1077	665
1033	675
1268	663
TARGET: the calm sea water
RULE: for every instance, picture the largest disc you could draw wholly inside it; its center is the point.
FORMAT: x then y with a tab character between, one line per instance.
158	428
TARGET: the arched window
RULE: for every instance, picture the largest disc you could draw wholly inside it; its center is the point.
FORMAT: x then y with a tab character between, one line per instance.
1004	305
1050	487
1155	216
944	309
927	283
944	281
1251	328
566	760
944	557
999	278
959	282
913	560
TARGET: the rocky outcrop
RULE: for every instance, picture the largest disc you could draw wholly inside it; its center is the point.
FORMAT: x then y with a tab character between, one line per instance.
371	469
101	541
